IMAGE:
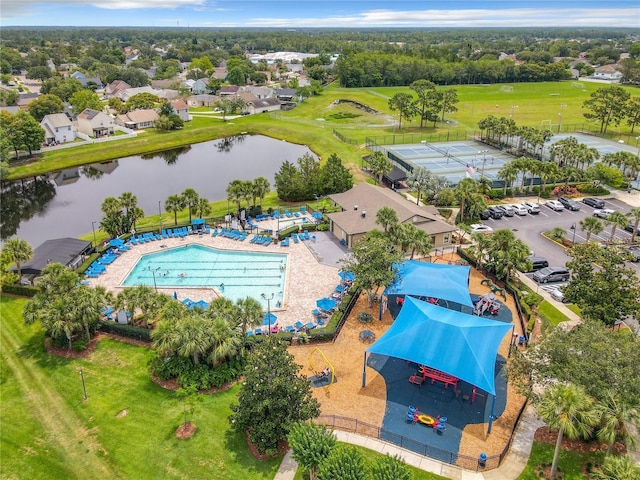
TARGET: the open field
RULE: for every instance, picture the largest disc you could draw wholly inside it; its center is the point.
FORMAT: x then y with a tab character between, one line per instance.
49	432
312	122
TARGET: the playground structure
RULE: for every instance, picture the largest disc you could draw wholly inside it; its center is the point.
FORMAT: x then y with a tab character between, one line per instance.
439	424
425	372
332	375
487	303
494	288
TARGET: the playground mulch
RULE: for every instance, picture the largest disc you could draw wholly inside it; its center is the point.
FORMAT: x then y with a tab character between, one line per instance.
348	399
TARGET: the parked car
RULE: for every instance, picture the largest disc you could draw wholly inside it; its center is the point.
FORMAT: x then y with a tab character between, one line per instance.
552	274
537	263
635	253
485	215
519	209
480	228
629	228
495	212
555	205
532	208
507	210
602	212
558	294
593	202
569	204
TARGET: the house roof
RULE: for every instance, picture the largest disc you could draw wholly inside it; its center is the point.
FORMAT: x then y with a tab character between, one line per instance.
204	97
89	114
117	86
286	92
58	250
57	120
140	116
228	89
247	97
370	198
265	102
179	104
396	175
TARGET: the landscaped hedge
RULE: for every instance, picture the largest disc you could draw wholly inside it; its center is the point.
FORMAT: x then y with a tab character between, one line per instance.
21	290
128	331
287	231
308	226
592	189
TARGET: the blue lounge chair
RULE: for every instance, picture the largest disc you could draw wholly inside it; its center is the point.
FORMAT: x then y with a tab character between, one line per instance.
254	238
289	329
250	333
243	235
258	331
299	326
296	214
288	213
207	229
285	242
303	210
306	234
295	237
141	239
158	236
267	242
310	326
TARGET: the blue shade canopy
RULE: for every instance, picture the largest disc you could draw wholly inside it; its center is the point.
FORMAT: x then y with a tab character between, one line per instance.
197	221
269	319
449	282
347	276
456	343
325	303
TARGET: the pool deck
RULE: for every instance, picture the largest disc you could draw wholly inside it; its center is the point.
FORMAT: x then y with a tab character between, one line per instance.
306	279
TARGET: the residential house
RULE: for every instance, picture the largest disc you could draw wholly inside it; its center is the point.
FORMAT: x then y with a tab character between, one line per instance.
125	95
258	92
181	109
286	94
200	86
94	123
13	109
204	100
220	73
58	128
361	204
167	94
114	88
24	99
228	90
246	97
188	84
138	119
89	81
262	105
608	73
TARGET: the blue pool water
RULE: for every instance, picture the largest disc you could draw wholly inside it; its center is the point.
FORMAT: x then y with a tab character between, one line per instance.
243	274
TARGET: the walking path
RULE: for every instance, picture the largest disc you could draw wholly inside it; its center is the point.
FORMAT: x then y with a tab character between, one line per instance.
511	467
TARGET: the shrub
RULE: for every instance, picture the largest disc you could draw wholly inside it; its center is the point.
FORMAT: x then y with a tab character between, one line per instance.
592	189
323	227
565	191
128	331
496	195
21	290
445	212
202	376
308	226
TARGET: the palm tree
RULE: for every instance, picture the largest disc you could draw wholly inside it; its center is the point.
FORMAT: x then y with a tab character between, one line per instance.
617	468
386	217
87	304
548	171
634	215
506	254
568	409
463	191
249	313
174	203
508	173
17	251
247	191
379	165
203	208
191	199
225	341
261	188
418	180
615	220
235	193
421	243
591	225
128	201
135	214
192	339
614	416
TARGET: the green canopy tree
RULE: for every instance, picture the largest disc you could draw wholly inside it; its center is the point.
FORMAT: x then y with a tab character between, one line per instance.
607	105
45	105
311	444
568	409
403	103
425	90
379	164
335	177
83	99
343	463
372	262
418	181
272	375
390	468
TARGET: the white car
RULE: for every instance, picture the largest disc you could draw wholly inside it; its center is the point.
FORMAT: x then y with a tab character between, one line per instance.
519	209
532	208
481	228
602	212
555	205
557	294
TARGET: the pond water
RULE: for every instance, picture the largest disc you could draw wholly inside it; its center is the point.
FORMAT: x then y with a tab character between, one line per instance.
64	204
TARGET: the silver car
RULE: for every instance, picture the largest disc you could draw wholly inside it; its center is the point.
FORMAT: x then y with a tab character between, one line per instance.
532	208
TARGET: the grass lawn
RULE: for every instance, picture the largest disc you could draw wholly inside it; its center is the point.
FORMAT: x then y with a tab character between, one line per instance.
49	432
570	463
370	457
552	314
312	122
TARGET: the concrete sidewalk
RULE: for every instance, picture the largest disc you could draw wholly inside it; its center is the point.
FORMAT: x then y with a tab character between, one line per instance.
511	467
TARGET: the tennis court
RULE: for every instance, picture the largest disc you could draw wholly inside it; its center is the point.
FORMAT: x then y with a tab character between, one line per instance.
602	145
453	160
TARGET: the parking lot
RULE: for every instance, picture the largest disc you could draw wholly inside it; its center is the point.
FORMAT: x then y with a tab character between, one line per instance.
529	228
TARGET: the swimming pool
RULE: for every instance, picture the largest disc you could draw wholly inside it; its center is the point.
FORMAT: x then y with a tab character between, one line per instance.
235	274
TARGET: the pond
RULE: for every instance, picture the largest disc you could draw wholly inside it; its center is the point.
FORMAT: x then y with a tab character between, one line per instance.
64	204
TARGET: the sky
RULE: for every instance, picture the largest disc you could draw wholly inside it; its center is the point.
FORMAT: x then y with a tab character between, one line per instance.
319	13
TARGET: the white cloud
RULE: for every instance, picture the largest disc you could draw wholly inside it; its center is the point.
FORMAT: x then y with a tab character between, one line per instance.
520	17
18	8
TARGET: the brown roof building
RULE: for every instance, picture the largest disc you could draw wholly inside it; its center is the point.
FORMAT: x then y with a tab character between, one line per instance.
361	204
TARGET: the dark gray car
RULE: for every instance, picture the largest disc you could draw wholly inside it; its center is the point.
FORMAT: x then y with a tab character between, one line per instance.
569	204
552	274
